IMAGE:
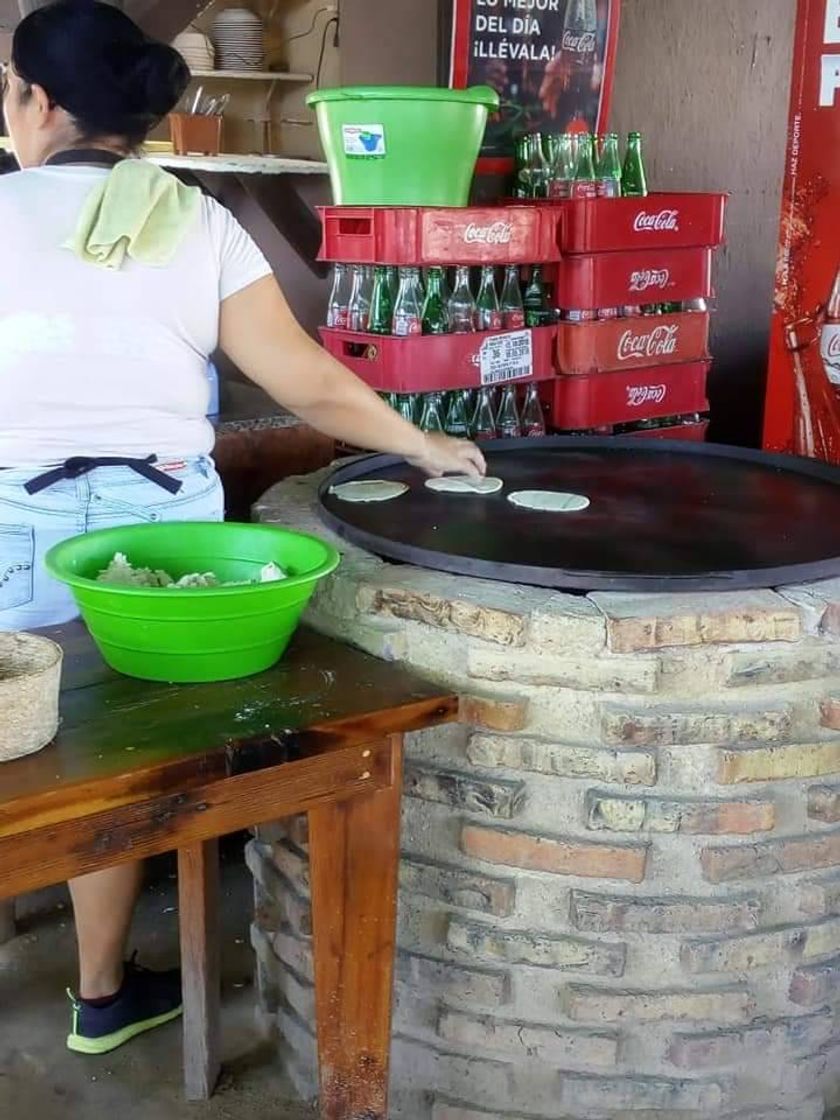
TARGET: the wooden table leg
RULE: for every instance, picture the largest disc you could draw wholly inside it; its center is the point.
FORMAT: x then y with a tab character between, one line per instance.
354	866
198	891
7	920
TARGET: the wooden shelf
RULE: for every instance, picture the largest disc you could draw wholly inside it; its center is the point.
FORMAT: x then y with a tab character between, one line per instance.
252	75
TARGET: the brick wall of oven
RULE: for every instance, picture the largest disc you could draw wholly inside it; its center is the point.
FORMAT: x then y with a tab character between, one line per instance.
620	888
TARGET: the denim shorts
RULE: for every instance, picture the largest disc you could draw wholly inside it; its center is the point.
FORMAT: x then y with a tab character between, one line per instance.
107	497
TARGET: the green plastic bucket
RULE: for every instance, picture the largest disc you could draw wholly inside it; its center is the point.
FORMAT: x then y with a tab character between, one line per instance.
195	634
402	145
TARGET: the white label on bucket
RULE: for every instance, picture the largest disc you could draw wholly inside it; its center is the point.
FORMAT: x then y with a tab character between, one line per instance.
367	140
506	357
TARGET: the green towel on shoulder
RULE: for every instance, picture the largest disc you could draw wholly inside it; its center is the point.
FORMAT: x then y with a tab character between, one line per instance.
139	211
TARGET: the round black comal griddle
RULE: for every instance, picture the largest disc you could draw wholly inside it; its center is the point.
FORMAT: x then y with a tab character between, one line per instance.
664	516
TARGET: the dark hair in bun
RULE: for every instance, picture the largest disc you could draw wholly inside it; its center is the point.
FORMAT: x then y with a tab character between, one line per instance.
96	63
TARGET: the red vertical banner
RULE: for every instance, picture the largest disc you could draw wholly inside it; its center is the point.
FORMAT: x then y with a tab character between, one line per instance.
551	61
802	413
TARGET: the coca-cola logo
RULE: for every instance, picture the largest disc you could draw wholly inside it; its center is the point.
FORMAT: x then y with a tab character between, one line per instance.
579	42
831	341
649	278
660	342
499	233
638	395
664	221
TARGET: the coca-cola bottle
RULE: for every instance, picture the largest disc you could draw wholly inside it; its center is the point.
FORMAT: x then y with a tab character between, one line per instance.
562	161
339	301
456	422
540	168
358	310
512	307
462	311
578	51
381	315
408	308
533	420
585	184
522	179
537	310
483	423
633	176
393	281
508	424
830	336
608	171
488	312
405	407
430	418
435	315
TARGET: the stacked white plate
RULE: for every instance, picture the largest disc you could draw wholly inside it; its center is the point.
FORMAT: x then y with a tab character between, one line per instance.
196	50
239	38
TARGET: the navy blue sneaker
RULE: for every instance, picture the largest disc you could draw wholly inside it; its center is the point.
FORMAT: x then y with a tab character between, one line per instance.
146	1000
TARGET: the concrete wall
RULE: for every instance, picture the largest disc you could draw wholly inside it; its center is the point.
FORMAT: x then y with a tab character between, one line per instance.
389	42
708	84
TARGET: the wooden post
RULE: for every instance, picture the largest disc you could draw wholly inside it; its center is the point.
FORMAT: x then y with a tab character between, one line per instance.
354	866
198	891
7	920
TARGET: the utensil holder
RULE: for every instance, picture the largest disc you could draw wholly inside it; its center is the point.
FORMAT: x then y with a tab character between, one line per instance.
193	134
30	676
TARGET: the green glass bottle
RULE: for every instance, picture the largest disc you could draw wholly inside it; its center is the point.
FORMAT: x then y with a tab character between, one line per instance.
393	281
435	313
483	422
405	407
562	166
537	310
540	168
457	422
522	181
608	171
381	303
585	184
633	177
431	419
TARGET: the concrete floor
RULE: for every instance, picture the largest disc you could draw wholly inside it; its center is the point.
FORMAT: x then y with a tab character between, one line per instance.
40	1079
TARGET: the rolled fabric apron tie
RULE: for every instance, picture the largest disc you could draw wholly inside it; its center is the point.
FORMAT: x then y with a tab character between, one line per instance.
80	465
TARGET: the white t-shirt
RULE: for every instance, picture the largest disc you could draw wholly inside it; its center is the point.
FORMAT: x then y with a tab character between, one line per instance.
101	362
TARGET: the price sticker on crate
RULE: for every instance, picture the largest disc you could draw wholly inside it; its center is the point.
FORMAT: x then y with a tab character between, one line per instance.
506	357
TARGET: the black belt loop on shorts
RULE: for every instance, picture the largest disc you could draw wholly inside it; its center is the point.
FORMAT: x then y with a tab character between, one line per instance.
75	468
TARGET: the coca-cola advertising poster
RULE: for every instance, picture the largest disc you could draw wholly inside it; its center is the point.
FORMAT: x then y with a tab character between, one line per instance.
803	393
552	62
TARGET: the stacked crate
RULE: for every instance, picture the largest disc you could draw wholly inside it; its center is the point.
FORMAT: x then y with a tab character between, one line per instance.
608	370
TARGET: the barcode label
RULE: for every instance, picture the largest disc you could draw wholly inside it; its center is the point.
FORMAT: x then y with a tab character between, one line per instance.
506	357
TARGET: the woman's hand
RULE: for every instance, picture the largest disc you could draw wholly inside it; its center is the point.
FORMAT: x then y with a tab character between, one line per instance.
444	455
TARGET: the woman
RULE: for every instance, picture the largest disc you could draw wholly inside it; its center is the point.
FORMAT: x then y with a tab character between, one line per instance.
102	376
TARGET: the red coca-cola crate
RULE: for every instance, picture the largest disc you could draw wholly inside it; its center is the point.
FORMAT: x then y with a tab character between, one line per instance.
660	221
427	363
693	433
632	343
622	279
428	236
625	397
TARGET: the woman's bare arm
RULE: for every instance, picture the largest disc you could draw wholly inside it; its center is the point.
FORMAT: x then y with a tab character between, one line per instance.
259	333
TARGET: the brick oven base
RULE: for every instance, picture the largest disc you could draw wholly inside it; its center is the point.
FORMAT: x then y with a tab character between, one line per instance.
620	892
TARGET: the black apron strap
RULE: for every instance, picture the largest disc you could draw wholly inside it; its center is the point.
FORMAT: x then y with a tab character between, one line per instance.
93	157
77	467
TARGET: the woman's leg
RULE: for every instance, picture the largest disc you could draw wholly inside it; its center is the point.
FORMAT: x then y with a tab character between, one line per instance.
103	904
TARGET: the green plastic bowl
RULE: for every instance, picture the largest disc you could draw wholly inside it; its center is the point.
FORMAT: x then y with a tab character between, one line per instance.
196	634
402	145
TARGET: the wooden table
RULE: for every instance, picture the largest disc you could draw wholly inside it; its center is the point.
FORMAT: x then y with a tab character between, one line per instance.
139	769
